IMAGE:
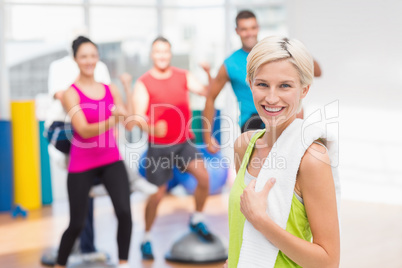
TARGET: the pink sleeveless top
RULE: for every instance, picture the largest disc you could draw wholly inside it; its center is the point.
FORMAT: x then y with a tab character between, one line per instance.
97	151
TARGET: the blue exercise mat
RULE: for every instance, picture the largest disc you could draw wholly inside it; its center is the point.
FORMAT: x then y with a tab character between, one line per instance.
46	181
6	167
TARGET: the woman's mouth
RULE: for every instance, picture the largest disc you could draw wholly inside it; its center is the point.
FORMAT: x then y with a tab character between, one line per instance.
273	111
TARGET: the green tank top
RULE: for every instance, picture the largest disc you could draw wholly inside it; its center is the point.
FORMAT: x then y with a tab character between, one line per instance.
297	224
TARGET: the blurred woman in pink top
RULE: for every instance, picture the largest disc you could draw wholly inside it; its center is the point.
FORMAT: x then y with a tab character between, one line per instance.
95	109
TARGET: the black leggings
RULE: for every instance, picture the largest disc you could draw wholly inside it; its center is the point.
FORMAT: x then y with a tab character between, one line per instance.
114	177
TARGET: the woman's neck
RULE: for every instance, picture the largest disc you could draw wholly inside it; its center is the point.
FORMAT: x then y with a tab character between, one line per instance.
85	79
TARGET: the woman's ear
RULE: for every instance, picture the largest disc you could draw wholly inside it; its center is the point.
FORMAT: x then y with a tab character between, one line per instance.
249	83
304	91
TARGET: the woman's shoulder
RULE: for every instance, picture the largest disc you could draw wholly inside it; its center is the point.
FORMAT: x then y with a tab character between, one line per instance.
113	88
70	93
314	163
315	156
242	142
315	178
240	147
70	98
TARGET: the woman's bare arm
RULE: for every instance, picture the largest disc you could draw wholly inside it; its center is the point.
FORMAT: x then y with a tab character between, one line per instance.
318	190
78	119
119	104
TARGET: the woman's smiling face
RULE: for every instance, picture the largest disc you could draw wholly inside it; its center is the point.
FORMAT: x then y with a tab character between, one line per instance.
277	92
87	57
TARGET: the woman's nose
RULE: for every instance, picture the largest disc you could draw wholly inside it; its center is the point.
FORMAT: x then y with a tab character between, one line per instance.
272	96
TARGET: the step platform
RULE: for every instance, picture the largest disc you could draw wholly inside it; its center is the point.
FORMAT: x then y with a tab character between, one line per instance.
76	260
190	248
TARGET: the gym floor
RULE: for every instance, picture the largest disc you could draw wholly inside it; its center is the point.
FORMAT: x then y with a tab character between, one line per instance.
371	233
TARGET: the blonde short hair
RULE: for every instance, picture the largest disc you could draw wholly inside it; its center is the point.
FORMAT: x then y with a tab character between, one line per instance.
275	48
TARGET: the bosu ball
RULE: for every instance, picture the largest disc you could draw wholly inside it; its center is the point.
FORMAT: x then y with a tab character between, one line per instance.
92	265
49	257
190	248
75	260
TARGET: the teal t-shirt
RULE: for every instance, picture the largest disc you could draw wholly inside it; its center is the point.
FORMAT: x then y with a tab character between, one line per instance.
235	66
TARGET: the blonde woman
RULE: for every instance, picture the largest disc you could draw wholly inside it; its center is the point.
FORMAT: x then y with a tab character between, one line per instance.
280	72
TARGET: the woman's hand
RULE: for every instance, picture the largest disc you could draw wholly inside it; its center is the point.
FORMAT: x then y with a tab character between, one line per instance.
254	204
225	265
119	113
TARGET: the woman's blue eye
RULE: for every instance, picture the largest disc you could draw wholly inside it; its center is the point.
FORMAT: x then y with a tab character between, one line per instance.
262	85
286	85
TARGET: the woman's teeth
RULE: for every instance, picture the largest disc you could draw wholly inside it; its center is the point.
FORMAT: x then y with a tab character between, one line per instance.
272	110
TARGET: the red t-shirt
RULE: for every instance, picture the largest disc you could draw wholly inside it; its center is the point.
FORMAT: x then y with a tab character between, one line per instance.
169	101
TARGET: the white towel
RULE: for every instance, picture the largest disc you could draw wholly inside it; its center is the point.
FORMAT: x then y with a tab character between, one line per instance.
256	250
